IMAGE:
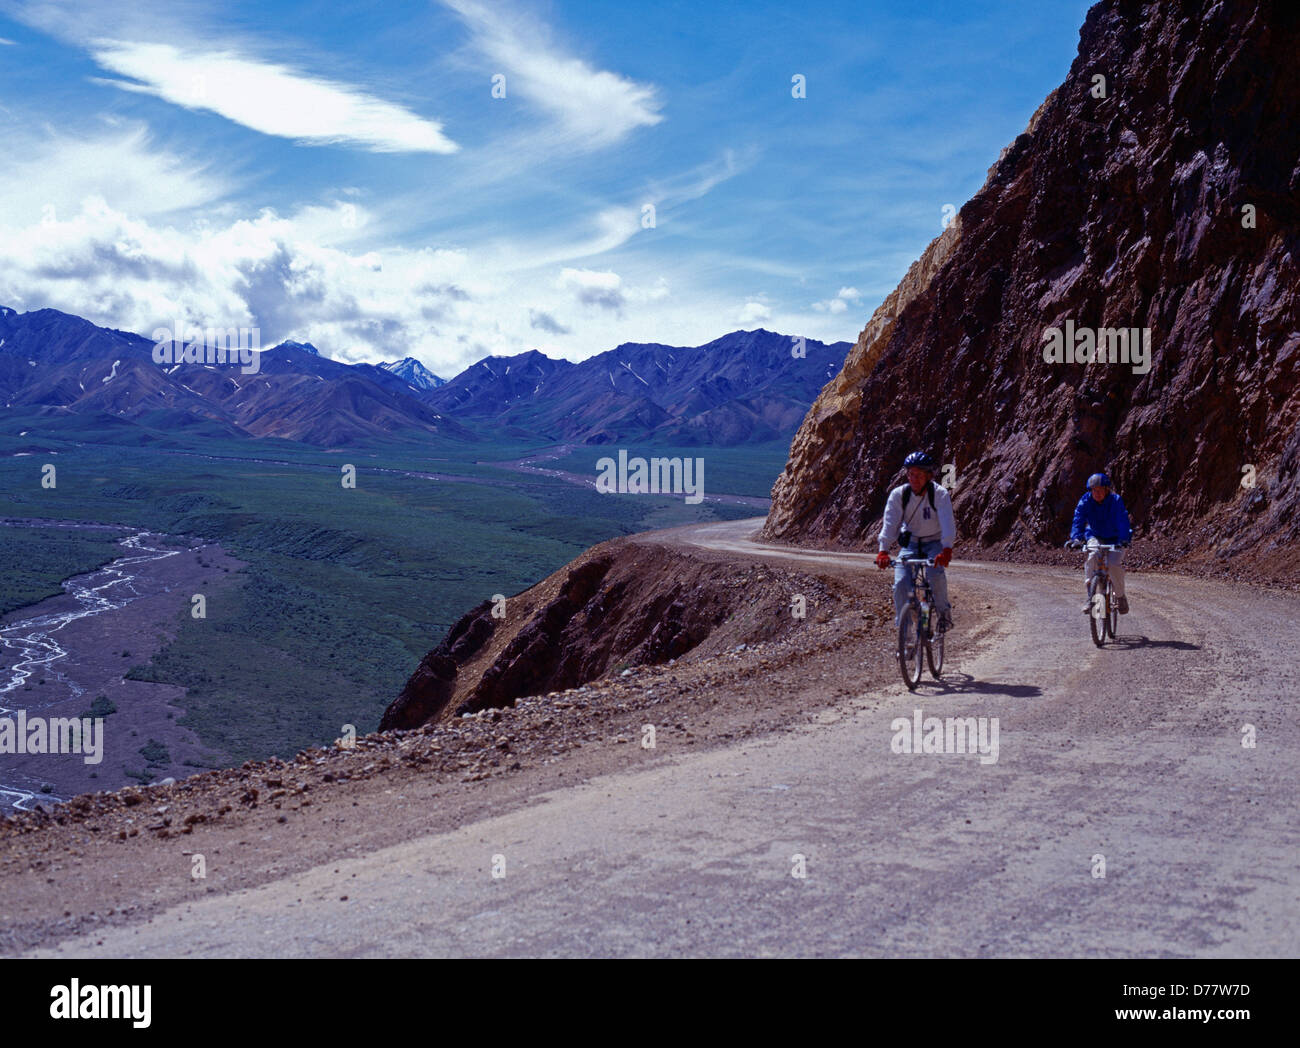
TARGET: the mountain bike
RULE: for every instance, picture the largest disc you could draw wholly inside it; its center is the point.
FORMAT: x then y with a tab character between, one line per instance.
1103	619
917	630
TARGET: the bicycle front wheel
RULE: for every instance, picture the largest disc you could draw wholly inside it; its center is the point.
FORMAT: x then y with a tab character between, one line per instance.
934	654
910	657
1112	610
1096	615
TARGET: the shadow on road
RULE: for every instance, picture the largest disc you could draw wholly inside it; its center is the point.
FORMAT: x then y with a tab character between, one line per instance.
965	684
1122	643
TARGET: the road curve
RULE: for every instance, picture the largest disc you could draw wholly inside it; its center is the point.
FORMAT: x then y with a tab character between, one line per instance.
1126	761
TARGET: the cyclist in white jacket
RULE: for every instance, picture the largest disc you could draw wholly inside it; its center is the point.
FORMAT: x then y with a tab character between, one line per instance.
918	515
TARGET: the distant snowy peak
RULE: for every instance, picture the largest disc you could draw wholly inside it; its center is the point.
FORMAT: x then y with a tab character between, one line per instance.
413	373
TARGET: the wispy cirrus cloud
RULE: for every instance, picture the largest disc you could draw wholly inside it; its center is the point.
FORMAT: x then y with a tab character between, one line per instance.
594	107
700	180
270	98
46	177
610	227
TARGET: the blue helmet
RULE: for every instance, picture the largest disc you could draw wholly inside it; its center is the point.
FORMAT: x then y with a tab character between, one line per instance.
1099	478
920	460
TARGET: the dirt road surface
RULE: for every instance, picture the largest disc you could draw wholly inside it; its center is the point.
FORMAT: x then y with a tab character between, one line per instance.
1127	760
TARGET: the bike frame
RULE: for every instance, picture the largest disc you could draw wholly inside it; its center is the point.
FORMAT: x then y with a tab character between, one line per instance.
1101	584
922	595
921	603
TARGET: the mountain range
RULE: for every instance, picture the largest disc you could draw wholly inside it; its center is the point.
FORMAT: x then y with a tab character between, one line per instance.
53	364
743	388
746	387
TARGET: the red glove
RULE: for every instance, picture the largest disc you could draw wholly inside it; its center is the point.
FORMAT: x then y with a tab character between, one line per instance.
944	558
882	560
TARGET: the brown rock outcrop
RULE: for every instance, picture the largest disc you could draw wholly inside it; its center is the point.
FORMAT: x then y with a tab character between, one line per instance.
622	604
433	683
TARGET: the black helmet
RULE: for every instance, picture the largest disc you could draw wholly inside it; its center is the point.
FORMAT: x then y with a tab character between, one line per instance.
920	460
1099	479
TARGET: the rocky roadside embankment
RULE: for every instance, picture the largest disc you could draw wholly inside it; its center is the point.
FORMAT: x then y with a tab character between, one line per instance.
622	604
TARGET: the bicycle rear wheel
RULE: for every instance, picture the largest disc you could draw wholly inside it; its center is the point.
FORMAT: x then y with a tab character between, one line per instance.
910	656
934	654
1096	619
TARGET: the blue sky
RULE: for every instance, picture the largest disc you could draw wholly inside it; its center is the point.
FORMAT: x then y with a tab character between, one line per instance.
342	174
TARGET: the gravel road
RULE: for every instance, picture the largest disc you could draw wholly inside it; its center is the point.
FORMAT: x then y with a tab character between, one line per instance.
1129	758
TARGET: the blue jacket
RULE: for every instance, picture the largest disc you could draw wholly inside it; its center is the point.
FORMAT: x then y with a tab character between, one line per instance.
1106	521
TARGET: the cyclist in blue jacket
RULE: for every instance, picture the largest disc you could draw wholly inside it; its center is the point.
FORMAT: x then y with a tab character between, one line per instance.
1100	518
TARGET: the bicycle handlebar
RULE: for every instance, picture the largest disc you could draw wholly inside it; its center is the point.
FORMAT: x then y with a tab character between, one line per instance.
928	562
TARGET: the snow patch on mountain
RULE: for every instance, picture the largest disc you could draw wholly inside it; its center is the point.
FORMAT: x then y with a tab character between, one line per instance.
413	373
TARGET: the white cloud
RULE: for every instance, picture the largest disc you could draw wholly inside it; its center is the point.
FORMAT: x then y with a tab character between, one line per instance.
593	106
611	227
133	233
656	292
606	230
138	234
543	321
127	273
593	288
700	180
270	98
49	178
292	277
840	302
10	43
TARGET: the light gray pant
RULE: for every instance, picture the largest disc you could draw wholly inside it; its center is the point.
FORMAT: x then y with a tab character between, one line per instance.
903	582
1114	562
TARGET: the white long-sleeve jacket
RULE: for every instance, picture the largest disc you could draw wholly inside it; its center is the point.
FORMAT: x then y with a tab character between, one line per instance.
923	522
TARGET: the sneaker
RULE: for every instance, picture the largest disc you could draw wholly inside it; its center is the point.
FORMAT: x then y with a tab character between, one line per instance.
1123	605
1087	607
945	621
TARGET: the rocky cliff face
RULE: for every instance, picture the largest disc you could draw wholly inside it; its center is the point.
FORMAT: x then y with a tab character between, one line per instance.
1165	197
